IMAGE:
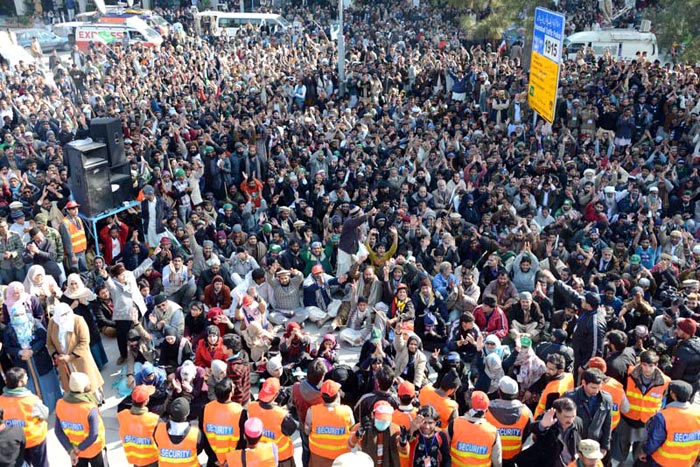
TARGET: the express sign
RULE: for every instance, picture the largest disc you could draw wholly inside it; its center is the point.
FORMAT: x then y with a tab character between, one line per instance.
105	37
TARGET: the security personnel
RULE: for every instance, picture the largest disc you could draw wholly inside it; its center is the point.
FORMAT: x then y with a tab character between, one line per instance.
328	425
511	417
73	235
441	398
615	389
136	427
405	414
278	425
473	440
23	409
256	453
79	427
222	423
678	425
178	448
559	383
589	454
645	390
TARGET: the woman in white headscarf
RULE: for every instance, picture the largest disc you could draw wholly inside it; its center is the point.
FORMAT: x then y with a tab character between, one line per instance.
69	344
43	287
24	342
79	298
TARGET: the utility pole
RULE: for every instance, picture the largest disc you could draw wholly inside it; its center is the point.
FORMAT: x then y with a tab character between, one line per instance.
341	49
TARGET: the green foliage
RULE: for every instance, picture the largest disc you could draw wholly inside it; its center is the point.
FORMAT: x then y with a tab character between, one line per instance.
674	28
503	13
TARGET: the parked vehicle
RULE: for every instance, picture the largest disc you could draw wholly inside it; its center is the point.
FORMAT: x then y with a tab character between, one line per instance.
622	43
47	39
228	24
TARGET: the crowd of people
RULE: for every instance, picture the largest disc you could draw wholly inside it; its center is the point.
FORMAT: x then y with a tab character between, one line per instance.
521	293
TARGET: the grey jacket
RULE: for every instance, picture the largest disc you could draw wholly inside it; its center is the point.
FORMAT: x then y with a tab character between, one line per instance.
127	297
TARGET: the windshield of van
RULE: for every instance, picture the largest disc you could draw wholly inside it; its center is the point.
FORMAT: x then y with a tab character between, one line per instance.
159	21
284	22
573	47
151	34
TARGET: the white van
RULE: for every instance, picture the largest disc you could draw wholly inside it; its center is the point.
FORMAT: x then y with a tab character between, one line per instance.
228	24
110	33
622	43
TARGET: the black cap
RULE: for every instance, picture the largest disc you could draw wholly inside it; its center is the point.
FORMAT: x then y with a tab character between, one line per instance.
160	298
593	299
179	410
682	390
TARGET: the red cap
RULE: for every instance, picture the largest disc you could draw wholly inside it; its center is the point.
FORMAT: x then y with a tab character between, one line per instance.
688	326
317	269
142	392
407	389
330	388
72	204
599	363
480	401
383	411
269	390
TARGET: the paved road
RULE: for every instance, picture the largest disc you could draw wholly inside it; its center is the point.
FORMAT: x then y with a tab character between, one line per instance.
58	456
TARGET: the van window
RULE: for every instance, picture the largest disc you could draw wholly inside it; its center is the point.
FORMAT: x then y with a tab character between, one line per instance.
574	47
136	36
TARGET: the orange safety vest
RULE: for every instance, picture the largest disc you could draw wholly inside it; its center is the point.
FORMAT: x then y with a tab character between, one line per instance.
511	435
444	405
74	422
644	406
77	234
221	424
472	444
176	455
559	386
17	411
330	430
262	455
136	433
404	419
617	392
682	445
272	428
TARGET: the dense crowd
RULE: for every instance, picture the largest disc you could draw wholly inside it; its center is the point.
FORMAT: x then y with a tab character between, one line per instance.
501	276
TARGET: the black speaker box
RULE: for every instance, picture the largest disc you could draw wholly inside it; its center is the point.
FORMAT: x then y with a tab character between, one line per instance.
109	131
90	176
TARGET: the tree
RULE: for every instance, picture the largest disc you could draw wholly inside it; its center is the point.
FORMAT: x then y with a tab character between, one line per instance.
494	16
677	23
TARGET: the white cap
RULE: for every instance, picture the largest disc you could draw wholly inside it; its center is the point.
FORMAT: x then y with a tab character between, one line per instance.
609	189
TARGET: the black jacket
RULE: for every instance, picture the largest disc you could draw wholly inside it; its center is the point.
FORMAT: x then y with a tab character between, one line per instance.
618	364
597	426
547	448
686	362
589	333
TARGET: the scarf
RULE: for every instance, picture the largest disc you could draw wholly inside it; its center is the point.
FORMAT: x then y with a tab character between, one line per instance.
493	366
531	368
40	288
22	325
64	318
82	293
397	307
10	291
